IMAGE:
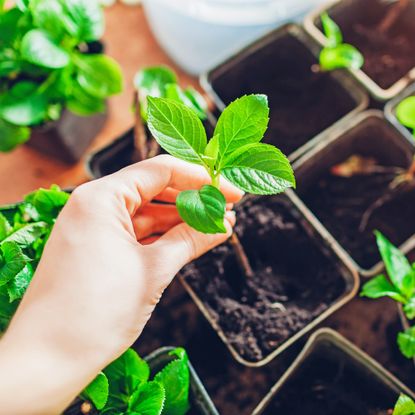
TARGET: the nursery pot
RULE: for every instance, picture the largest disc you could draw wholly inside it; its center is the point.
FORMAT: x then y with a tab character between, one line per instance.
389	57
303	103
299	280
390	111
67	138
339	204
331	375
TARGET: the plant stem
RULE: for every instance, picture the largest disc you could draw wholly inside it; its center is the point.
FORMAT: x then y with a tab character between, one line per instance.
241	256
393	15
140	136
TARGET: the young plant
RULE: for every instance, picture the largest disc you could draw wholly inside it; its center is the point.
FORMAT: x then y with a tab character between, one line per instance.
400	286
46	66
405	112
125	387
404	406
160	82
337	55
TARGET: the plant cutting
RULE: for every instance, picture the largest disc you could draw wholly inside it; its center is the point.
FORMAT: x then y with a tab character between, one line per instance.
48	65
400	286
159	82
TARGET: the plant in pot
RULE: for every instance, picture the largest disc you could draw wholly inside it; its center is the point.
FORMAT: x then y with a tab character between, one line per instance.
54	79
285	65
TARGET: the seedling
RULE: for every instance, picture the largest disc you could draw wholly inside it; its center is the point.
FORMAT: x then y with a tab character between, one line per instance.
405	112
160	82
234	151
45	66
124	387
404	406
336	54
400	286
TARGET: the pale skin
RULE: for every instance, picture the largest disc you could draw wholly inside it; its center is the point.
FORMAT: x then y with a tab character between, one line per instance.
105	267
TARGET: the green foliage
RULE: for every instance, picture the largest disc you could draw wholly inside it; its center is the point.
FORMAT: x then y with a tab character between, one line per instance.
336	54
23	235
44	67
234	151
405	112
161	82
125	387
404	406
400	287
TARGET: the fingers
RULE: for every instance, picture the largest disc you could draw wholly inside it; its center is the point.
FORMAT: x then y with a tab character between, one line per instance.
182	244
169	195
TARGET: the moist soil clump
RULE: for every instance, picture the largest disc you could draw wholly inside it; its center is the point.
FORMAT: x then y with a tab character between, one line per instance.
294	280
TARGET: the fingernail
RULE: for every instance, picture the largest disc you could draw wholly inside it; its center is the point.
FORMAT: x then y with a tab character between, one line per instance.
230	216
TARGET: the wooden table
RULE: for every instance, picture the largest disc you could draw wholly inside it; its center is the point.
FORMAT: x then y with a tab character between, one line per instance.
128	39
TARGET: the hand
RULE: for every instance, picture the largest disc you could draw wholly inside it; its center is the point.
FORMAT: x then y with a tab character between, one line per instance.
96	285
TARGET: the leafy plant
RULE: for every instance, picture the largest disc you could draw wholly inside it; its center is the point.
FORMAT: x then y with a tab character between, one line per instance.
405	112
125	387
23	234
45	66
336	54
400	286
234	152
404	406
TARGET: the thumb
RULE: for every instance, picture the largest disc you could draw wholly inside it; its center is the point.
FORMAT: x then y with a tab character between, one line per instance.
182	244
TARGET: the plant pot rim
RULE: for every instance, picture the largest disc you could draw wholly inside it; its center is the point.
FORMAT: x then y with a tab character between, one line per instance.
356	92
390	111
408	245
328	335
352	279
374	89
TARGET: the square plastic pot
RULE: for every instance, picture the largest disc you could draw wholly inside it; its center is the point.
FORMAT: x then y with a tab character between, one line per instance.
267	66
342	268
371	135
346	12
371	380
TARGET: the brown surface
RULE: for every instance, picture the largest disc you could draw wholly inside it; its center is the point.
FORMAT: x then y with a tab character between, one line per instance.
128	39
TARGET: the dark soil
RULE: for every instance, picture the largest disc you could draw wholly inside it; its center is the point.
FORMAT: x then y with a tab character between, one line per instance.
290	270
302	103
388	55
330	383
340	203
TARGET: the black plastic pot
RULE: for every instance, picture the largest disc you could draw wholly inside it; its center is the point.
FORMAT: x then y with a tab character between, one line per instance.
300	279
389	58
303	103
332	376
336	204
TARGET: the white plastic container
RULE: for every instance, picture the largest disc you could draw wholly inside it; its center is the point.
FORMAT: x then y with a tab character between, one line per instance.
199	34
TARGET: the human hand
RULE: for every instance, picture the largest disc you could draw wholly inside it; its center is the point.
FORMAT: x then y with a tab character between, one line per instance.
100	277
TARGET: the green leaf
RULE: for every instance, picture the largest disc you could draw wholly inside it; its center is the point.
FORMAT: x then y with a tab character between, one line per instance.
22	105
12	136
188	98
341	56
82	103
203	210
9	29
126	373
39	48
404	406
212	152
148	399
381	287
395	262
259	169
49	15
177	129
18	285
242	122
7	309
175	379
5	227
97	391
409	308
12	261
199	103
99	75
22	5
405	112
28	234
406	342
331	30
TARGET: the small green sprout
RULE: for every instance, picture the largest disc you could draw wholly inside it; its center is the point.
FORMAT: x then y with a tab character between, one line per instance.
337	55
400	286
405	112
404	406
234	151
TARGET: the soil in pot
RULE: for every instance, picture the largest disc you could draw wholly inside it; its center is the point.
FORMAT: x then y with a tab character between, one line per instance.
388	49
328	383
294	280
303	103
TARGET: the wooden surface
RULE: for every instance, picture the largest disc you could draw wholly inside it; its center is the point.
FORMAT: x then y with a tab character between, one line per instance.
128	39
